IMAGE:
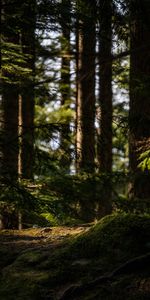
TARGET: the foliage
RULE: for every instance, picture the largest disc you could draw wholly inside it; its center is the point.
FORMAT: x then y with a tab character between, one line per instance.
120	137
57	194
62	195
59	197
15	198
124	204
16	194
144	159
14	70
34	219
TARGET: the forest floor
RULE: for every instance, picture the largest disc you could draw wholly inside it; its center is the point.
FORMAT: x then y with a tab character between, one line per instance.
108	261
15	242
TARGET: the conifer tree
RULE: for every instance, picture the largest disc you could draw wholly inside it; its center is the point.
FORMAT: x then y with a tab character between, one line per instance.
104	150
65	85
9	90
27	89
85	98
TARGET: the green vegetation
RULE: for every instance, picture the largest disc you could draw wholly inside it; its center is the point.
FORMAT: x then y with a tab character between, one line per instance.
46	270
73	147
74	150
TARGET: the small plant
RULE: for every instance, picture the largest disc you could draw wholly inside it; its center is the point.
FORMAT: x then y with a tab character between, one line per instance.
144	161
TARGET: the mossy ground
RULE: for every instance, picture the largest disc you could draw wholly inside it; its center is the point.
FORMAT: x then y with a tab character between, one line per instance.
38	265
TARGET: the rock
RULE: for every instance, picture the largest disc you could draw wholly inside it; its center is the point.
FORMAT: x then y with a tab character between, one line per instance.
46	230
81	262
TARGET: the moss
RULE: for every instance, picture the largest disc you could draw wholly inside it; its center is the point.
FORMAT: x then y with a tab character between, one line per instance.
112	241
30	258
116	236
37	273
32	218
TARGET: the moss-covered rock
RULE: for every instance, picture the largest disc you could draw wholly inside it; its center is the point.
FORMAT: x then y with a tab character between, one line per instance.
117	237
47	272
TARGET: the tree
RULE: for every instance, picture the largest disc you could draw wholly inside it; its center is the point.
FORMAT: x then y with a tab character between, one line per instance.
26	102
9	147
85	98
65	87
16	69
9	105
18	58
104	150
139	120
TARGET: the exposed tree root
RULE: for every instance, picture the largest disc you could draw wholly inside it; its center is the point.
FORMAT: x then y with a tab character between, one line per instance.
136	264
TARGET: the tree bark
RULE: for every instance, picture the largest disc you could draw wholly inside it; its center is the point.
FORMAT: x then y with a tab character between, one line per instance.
85	102
104	146
65	89
9	101
85	99
27	92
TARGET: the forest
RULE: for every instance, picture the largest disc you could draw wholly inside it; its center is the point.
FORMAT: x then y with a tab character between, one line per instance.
74	149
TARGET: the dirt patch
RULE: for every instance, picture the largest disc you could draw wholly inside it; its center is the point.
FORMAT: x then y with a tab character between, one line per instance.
19	240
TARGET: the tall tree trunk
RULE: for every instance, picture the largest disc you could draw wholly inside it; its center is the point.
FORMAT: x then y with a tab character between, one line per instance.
10	92
1	115
85	99
10	132
78	140
65	159
85	102
1	216
27	94
9	102
104	148
139	116
9	144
